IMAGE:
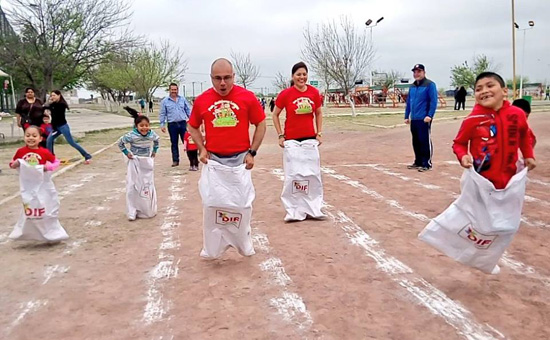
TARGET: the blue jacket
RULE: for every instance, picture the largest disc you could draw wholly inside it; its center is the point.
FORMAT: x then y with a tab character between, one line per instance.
422	100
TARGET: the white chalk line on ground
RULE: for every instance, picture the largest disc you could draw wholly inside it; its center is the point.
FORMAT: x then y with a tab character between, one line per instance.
423	292
27	308
290	304
378	167
158	305
59	172
51	271
421	217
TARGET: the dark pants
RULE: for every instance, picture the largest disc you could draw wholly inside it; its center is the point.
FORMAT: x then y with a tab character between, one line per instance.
193	156
422	143
176	131
463	103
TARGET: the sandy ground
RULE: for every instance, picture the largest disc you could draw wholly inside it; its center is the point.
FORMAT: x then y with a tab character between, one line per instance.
360	274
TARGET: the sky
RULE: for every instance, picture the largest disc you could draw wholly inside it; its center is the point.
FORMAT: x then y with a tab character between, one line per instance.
436	33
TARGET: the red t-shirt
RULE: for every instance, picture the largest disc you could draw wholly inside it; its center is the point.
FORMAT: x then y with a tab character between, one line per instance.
227	119
300	108
493	139
34	156
189	142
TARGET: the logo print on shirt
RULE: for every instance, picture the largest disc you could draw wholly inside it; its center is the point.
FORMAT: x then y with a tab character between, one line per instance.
304	105
224	114
32	158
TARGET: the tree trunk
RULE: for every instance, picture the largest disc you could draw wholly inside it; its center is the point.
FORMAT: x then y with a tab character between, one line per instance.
351	103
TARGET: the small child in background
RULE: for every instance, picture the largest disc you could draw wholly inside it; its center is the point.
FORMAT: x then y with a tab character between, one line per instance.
33	153
192	151
526	107
141	138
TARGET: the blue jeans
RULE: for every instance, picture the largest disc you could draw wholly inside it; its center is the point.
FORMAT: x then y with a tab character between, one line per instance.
65	130
176	131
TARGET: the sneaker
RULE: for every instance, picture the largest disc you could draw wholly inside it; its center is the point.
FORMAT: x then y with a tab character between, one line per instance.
88	161
413	166
131	218
196	168
424	169
496	270
191	168
175	163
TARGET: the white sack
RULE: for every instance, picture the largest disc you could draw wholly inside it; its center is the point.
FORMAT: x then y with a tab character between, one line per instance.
302	189
39	218
227	194
141	196
478	227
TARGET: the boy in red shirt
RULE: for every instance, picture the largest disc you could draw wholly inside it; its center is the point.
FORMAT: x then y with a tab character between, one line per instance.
491	135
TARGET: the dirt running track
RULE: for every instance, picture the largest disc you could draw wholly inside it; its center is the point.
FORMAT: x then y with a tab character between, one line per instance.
360	274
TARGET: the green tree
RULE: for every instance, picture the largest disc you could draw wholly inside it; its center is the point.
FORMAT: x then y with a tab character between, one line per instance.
112	79
465	75
58	42
154	66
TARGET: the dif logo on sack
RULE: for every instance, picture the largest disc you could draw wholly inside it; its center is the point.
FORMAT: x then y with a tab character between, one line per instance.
34	212
228	218
479	240
300	187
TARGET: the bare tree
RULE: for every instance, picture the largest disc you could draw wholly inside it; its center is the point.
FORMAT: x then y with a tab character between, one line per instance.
281	82
390	78
340	51
246	72
59	41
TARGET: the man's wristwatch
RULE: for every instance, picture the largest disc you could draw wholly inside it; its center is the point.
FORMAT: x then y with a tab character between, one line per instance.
252	152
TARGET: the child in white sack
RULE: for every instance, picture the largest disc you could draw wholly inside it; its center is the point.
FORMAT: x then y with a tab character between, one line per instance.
39	220
140	189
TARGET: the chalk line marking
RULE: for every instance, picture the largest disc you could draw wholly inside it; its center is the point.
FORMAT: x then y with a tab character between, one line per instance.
420	217
27	308
158	305
289	305
423	292
51	271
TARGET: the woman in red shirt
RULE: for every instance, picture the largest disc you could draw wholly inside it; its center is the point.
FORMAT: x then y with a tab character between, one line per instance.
302	103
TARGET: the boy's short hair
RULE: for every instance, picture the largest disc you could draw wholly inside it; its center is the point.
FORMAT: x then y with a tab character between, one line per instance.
523	104
493	75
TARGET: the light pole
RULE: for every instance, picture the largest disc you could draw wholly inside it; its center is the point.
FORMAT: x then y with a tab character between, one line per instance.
193	84
368	25
531	25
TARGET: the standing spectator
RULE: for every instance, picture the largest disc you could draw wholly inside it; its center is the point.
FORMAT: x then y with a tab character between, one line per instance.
420	111
271	104
262	101
142	105
29	110
151	105
456	97
174	112
461	98
547	93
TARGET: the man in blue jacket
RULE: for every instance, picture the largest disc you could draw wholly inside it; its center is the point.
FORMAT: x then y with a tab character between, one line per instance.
420	111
